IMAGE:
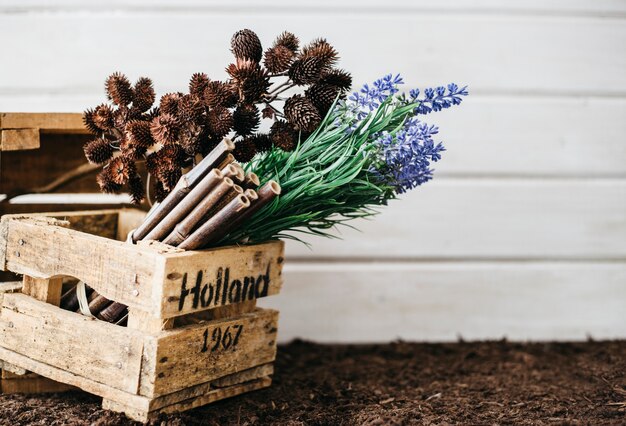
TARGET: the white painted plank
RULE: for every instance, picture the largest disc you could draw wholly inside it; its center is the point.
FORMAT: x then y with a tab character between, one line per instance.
489	135
355	6
355	302
72	52
494	219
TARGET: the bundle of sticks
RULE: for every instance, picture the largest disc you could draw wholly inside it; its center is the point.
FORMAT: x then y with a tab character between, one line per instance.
210	201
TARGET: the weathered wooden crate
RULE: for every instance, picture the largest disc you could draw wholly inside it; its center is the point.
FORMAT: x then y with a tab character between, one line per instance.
194	334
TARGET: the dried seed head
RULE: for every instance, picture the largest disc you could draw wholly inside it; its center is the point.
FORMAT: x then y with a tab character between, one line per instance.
262	142
218	93
118	89
190	108
301	113
164	128
284	136
121	169
246	119
103	117
245	149
159	192
191	137
169	103
88	121
150	115
278	59
220	122
144	95
337	77
322	95
306	70
288	40
246	45
321	50
98	151
169	178
268	112
138	134
198	83
106	183
136	189
251	81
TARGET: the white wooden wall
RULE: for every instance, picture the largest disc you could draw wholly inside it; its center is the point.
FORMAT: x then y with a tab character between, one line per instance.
523	232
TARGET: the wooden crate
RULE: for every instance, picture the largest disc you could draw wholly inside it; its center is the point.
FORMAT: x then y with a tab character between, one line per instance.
194	334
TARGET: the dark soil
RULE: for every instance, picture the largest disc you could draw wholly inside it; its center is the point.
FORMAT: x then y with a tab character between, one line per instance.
399	383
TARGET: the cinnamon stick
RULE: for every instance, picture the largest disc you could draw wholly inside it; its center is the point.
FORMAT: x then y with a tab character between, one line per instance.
206	233
183	187
98	304
69	300
113	312
226	161
186	226
192	199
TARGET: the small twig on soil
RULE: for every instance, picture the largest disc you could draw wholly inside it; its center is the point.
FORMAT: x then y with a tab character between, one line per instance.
437	395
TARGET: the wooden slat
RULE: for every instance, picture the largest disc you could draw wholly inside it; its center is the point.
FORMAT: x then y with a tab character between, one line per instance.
201	353
488	219
46	122
440	301
19	139
196	280
93	349
555	56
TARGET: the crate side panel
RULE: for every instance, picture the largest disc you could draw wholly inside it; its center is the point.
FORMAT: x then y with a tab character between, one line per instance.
119	271
89	348
206	279
209	351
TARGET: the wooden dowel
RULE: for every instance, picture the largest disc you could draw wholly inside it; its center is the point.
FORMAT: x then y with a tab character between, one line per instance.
183	187
113	312
192	199
235	172
251	181
265	194
205	234
230	158
186	226
98	304
251	194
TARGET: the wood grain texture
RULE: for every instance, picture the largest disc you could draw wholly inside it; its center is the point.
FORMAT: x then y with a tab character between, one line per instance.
489	219
19	139
441	301
195	354
44	122
93	349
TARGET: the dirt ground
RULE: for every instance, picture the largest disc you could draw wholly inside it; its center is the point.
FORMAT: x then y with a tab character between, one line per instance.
396	384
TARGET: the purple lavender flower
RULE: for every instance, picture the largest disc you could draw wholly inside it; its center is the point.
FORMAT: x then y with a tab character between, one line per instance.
405	157
369	98
437	99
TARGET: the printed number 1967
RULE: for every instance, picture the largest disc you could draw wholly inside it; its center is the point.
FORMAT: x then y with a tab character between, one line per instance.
222	339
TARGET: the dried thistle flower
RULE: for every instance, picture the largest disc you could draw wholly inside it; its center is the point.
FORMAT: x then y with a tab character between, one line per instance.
191	137
278	59
321	50
262	142
88	121
144	95
322	95
245	44
118	89
284	136
106	183
103	117
136	189
164	128
169	103
190	108
288	40
138	133
337	77
245	149
218	93
301	113
246	119
198	83
98	151
159	192
306	70
121	169
220	121
251	81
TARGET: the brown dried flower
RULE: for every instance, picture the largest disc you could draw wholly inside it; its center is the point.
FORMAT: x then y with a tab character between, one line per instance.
278	59
121	169
284	136
106	183
306	70
288	40
245	149
198	83
220	122
301	113
246	119
136	189
245	44
103	117
322	95
118	89
165	128
98	151
88	121
144	95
